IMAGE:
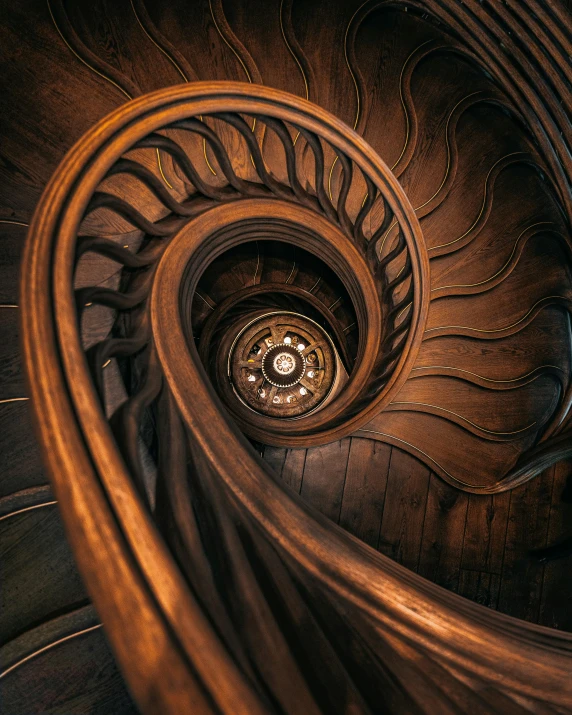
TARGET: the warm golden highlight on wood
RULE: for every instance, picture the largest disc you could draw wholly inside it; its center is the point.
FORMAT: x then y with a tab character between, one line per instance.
294	336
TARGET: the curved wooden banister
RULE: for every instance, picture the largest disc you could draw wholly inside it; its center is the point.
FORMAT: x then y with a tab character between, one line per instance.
224	592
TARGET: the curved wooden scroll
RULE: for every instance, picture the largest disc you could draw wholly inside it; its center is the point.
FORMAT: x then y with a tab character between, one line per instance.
230	594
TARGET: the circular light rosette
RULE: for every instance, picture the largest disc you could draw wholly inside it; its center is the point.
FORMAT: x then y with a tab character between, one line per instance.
283	365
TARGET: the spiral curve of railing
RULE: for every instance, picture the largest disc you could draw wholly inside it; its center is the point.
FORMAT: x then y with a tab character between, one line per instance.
219	589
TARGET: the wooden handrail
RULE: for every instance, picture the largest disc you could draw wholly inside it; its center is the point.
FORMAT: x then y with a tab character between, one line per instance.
225	592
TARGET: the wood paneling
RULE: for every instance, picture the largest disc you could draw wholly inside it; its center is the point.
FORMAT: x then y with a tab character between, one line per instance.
480	586
404	510
485	532
527	529
556	600
293	470
479	546
365	489
443	530
324	477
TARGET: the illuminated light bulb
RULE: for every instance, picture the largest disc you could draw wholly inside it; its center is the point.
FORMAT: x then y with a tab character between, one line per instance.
303	391
262	394
287	341
276	400
311	373
251	378
301	346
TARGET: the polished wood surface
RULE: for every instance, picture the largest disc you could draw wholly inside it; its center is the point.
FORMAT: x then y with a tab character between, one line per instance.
456	477
476	545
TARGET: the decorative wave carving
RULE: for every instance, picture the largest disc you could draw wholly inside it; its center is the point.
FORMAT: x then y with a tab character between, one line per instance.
85	55
233	43
449	177
488	197
559	301
463	422
509	266
295	50
487	382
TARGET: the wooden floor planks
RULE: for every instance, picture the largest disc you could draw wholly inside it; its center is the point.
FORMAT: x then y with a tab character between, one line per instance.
364	489
485	532
475	545
445	521
480	586
521	578
556	599
404	510
324	477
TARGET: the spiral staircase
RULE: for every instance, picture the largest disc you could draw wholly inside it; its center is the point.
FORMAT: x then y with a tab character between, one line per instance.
286	297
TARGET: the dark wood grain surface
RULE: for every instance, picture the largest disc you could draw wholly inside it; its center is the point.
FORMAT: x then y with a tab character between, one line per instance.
484	159
476	545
